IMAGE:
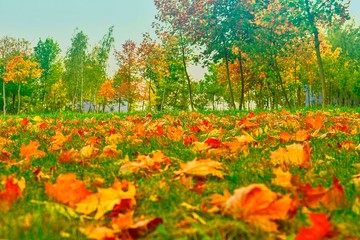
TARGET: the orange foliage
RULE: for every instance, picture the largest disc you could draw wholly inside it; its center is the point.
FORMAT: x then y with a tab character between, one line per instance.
20	70
31	151
292	155
67	190
13	189
257	205
320	228
106	90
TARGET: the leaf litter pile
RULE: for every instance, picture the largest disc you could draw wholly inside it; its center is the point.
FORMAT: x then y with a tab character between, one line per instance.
277	175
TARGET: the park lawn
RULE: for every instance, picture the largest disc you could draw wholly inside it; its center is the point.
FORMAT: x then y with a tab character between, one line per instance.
233	175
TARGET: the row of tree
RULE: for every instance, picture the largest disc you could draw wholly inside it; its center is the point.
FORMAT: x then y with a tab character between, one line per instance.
265	54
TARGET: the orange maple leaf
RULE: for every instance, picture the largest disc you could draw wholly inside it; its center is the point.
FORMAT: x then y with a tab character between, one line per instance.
320	229
292	155
259	206
213	142
331	198
202	168
89	151
67	189
106	199
13	189
68	156
150	163
285	137
111	151
283	178
301	136
190	139
58	140
174	133
31	150
315	123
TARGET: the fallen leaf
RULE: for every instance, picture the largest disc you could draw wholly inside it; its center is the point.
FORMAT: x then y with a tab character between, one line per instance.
331	198
258	206
320	228
213	142
98	232
67	190
89	151
293	155
301	136
143	227
58	140
111	151
106	198
31	150
282	178
201	168
285	137
12	191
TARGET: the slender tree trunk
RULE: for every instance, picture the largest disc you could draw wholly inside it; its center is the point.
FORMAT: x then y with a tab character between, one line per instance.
242	81
82	87
150	95
315	32
229	82
19	98
187	77
277	70
213	102
163	100
4	99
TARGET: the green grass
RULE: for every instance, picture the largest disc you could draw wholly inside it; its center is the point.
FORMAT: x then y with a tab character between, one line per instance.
36	216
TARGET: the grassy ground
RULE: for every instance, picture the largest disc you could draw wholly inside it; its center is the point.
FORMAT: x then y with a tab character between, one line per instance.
182	201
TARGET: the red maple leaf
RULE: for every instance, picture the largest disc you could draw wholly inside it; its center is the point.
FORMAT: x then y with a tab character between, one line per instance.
321	228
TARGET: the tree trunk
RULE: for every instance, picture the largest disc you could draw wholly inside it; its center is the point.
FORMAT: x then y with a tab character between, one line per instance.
242	81
163	100
18	110
82	87
4	99
187	77
315	32
150	95
277	70
229	82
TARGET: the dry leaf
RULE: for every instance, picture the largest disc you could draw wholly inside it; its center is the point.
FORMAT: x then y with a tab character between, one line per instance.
106	198
283	178
31	151
12	191
67	190
258	206
292	155
320	228
202	168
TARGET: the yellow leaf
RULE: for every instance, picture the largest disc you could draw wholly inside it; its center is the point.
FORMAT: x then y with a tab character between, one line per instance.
106	198
202	168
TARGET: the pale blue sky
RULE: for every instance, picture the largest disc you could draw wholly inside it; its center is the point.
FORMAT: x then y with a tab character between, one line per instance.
35	19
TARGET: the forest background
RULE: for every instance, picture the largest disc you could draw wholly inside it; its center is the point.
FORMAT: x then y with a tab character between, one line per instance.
258	54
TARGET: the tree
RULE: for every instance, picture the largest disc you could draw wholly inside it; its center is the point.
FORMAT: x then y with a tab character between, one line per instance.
126	75
75	59
96	65
10	47
153	68
179	19
311	15
47	53
21	70
107	92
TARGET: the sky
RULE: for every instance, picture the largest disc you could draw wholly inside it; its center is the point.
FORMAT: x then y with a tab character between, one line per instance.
58	19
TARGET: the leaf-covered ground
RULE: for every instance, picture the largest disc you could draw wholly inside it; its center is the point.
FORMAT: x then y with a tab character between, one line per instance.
276	175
